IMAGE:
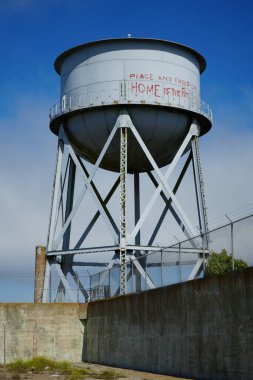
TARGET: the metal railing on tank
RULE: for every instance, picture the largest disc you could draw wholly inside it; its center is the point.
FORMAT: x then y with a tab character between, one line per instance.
206	110
70	103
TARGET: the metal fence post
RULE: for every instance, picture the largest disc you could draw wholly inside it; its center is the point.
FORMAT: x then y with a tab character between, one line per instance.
100	290
132	274
232	246
109	282
161	268
146	273
232	240
180	269
204	258
90	284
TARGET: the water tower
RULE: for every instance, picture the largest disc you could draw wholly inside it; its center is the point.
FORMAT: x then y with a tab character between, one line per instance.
130	106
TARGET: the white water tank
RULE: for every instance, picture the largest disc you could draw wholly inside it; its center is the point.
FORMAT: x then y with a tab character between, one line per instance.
157	81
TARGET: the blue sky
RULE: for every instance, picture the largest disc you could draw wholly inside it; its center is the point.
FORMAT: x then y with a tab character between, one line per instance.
34	32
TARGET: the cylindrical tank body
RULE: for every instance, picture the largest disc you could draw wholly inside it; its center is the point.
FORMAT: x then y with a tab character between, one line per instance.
156	81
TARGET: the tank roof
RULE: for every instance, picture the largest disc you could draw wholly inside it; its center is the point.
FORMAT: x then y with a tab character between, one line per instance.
62	56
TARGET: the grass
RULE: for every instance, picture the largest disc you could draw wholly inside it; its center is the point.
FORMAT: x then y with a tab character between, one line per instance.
43	365
108	374
39	364
79	374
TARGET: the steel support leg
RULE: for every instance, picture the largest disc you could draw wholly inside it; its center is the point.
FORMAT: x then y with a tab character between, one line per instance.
88	186
69	203
200	191
137	214
137	207
55	194
53	214
66	261
46	286
201	205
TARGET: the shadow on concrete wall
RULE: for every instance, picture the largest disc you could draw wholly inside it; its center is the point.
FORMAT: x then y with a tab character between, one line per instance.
84	349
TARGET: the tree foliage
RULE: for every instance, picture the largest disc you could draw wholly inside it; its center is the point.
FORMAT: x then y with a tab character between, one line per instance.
219	263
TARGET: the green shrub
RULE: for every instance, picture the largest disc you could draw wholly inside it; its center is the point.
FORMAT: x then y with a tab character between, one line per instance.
220	263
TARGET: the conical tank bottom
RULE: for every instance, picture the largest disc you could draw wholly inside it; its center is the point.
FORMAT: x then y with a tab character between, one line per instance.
162	130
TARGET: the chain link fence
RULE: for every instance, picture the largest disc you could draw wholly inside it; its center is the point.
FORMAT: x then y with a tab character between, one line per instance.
165	266
175	263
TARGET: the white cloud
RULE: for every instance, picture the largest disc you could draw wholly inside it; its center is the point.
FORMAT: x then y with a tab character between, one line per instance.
227	160
26	155
228	155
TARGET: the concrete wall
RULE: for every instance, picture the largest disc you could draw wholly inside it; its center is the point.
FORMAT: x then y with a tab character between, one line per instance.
51	330
202	329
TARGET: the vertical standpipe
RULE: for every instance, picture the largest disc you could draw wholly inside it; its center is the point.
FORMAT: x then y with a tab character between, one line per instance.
40	267
123	192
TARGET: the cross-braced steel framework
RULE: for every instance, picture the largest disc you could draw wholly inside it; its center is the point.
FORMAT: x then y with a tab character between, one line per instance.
126	244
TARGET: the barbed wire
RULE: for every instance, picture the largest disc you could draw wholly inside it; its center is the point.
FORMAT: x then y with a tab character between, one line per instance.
218	222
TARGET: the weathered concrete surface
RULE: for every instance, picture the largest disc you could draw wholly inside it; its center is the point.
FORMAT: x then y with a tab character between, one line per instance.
202	329
51	330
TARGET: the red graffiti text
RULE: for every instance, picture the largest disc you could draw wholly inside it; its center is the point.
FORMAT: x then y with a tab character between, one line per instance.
141	88
172	91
